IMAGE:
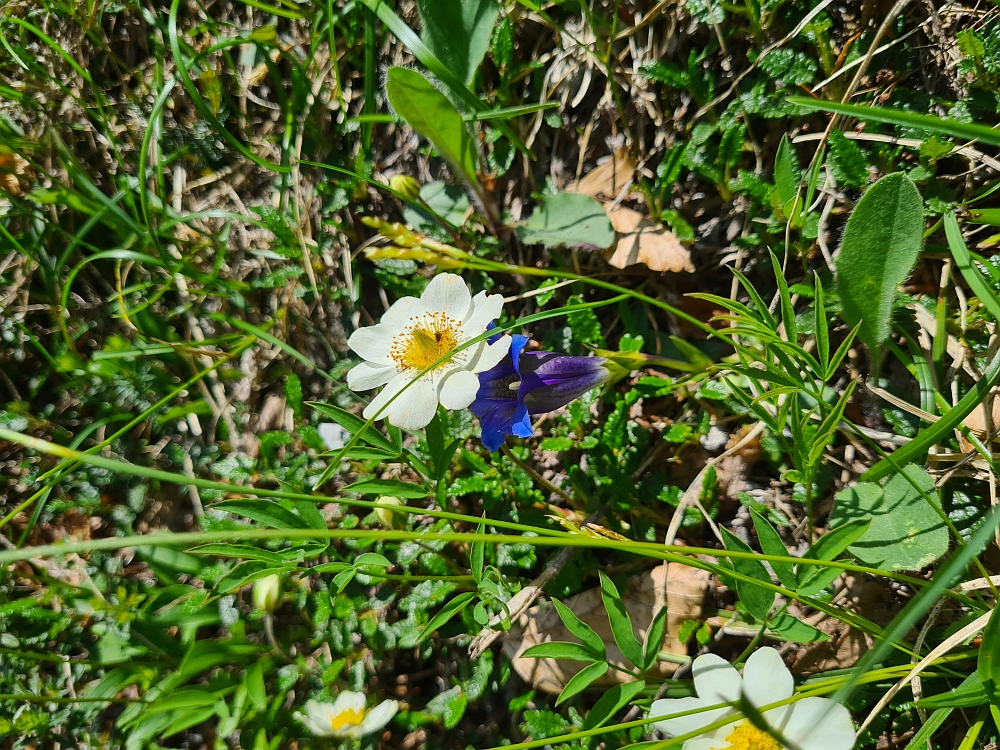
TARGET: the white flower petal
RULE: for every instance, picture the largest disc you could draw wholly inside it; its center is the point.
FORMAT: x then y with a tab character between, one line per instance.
448	293
766	679
376	407
490	355
715	679
818	724
399	314
316	717
485	308
349	700
700	743
373	343
458	388
415	407
684	724
378	717
365	376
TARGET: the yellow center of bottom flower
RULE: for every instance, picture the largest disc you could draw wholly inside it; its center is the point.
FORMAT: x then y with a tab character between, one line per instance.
349	717
748	737
425	341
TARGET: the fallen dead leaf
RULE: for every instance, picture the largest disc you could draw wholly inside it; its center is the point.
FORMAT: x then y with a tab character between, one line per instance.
14	170
682	588
641	240
608	179
976	421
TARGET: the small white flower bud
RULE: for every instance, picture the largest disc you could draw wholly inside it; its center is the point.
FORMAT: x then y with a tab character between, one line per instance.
391	519
266	593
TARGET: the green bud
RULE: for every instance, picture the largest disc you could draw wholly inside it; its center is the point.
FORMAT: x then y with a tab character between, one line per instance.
266	593
391	519
406	186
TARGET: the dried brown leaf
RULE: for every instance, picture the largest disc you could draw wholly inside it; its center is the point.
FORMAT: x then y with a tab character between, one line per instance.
641	240
608	179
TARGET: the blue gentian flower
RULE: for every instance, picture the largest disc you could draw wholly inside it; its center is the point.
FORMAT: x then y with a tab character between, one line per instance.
526	383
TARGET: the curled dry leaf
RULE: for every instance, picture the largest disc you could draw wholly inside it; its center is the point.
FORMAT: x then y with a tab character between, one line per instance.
641	240
14	171
682	589
610	178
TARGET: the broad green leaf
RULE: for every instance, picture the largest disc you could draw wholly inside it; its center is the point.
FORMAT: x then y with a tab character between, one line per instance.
612	702
428	111
582	680
757	599
450	202
458	32
881	244
448	611
621	623
771	544
568	219
559	650
580	629
906	533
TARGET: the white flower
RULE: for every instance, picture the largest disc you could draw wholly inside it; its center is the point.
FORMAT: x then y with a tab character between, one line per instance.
809	724
415	333
346	716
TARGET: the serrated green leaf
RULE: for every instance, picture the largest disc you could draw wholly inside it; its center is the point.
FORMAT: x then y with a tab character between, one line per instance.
846	161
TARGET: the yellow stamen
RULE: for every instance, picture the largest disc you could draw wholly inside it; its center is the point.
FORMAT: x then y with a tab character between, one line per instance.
349	717
748	737
425	341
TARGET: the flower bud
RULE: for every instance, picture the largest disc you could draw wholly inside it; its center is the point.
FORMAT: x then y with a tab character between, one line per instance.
266	593
391	519
406	186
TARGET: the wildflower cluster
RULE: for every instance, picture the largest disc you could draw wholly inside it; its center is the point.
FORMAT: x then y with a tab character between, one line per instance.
432	350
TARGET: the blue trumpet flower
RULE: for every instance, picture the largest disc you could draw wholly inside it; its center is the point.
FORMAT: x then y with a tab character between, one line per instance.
526	383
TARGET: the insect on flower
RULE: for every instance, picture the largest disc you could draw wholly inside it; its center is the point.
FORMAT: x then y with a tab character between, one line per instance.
413	335
347	716
809	724
527	383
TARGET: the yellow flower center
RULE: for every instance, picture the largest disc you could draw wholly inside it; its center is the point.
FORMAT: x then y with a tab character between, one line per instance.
424	341
748	737
349	717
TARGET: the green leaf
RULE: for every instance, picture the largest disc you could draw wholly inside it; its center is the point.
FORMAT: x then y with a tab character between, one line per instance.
591	640
458	32
955	128
448	611
881	244
969	43
265	511
847	161
988	666
906	533
813	579
621	623
820	323
354	424
793	629
786	170
611	702
757	599
239	551
254	682
428	111
568	219
654	639
771	544
560	650
582	680
969	694
392	487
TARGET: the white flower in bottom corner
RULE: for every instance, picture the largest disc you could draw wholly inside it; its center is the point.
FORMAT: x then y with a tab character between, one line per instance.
414	334
347	716
808	724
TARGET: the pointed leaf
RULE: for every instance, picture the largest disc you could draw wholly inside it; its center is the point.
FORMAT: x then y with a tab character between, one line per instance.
621	623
